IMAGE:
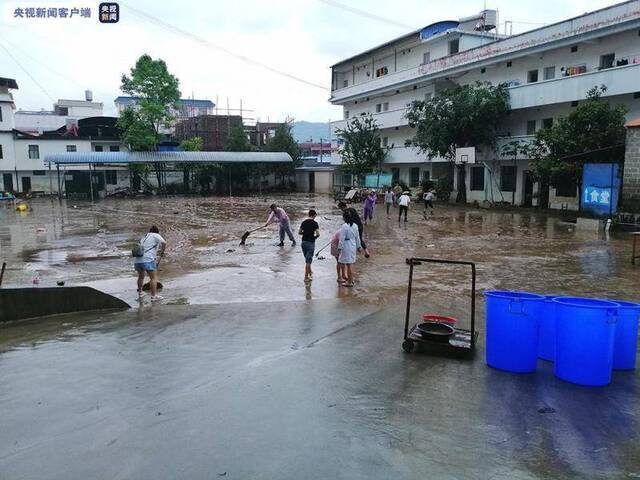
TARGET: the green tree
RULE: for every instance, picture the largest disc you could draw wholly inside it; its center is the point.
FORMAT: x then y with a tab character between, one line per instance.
283	141
193	144
361	151
157	93
589	133
461	116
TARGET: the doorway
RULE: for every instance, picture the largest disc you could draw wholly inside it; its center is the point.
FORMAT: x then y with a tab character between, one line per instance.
527	193
7	180
26	184
312	182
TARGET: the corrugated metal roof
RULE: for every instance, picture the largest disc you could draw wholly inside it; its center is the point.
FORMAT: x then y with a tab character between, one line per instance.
77	158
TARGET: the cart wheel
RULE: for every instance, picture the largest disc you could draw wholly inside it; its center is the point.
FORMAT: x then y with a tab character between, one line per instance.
407	345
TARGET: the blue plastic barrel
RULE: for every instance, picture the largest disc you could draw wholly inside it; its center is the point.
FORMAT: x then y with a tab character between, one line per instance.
547	334
626	340
512	330
585	333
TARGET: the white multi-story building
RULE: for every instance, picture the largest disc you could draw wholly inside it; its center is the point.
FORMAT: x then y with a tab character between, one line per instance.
548	70
22	153
63	110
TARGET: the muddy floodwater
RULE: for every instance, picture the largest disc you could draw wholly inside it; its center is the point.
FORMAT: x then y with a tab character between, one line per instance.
84	243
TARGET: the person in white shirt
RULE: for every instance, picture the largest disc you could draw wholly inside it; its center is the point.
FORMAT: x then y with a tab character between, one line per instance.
153	246
403	204
428	200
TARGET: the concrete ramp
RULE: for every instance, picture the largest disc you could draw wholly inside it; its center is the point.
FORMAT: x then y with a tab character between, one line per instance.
20	303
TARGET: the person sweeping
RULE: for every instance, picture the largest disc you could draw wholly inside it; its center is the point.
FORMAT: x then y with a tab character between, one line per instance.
279	215
310	231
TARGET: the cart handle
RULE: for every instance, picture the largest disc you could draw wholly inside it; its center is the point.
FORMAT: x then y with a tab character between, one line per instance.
418	261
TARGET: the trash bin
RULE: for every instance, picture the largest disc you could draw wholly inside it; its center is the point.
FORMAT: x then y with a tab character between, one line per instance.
512	330
625	344
547	334
585	331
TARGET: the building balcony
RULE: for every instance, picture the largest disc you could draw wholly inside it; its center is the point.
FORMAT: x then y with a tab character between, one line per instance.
390	119
618	80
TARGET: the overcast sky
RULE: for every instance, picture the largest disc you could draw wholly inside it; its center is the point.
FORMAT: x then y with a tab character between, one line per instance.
299	37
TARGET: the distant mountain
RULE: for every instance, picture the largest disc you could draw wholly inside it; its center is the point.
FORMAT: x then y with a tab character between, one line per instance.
303	131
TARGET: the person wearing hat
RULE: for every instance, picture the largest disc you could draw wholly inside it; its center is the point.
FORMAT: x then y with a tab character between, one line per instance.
403	204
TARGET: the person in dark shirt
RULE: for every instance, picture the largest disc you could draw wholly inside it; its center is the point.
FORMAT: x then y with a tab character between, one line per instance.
356	219
310	230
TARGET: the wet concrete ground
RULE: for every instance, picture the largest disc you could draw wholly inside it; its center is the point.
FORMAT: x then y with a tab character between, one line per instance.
313	385
290	390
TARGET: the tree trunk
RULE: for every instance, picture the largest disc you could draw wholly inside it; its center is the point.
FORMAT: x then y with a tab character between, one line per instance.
461	196
185	179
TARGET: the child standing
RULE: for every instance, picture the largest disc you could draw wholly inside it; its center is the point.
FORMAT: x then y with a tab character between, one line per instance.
369	205
309	230
348	245
335	240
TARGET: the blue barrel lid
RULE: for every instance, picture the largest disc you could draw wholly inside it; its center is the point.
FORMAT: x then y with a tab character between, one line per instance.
585	302
625	304
510	295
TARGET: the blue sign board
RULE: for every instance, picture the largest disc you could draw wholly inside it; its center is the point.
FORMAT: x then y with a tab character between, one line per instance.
600	188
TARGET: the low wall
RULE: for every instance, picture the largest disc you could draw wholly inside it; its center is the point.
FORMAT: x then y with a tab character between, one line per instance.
20	303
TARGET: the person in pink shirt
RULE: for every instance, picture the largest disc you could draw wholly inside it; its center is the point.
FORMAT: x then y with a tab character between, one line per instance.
279	215
335	240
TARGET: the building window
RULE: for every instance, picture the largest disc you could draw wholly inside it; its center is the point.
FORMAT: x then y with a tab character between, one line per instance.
636	95
0	151
483	70
385	141
111	177
98	148
63	111
345	83
34	152
477	178
509	64
454	46
0	114
531	127
378	107
547	122
508	178
428	96
114	148
385	106
39	173
414	177
574	49
381	71
532	76
566	187
549	73
71	148
426	176
426	57
395	175
346	114
606	61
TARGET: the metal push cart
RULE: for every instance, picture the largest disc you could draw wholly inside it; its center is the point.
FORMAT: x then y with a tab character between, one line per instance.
461	342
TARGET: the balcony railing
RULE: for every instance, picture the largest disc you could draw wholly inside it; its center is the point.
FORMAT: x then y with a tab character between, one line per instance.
618	80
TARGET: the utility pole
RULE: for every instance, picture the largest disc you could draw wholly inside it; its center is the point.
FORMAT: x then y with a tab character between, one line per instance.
320	149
